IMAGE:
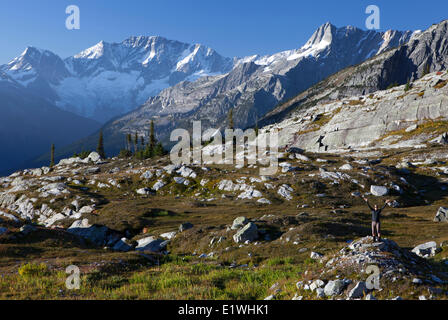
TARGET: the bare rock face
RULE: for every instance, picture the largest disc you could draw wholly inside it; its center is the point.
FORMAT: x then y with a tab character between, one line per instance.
356	109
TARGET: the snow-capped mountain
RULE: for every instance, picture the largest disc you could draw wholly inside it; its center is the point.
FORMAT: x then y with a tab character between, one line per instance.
255	85
109	79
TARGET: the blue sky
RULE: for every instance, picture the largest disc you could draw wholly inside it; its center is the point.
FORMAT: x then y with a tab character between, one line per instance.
232	27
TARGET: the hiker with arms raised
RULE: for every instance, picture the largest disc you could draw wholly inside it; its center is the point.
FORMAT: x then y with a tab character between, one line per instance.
376	216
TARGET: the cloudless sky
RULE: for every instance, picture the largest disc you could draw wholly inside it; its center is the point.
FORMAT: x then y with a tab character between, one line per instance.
232	27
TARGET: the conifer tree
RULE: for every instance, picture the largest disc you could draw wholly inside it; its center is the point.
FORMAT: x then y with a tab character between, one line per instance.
152	137
100	147
128	141
135	142
52	156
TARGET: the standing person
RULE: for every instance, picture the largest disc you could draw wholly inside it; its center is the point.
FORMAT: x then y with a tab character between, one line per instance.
376	216
319	141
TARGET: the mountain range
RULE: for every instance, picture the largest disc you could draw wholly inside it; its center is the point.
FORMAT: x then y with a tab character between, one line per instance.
173	83
110	79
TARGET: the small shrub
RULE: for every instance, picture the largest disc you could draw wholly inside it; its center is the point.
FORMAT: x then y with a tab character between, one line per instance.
31	269
82	154
408	86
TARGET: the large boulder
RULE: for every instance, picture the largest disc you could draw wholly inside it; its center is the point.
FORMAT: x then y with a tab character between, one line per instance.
441	215
151	244
248	233
334	287
379	191
93	156
426	250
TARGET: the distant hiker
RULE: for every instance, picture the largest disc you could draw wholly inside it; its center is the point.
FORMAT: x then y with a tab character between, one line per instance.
376	215
319	141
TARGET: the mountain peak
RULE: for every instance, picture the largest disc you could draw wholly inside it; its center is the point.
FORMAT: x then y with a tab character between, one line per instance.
322	37
30	57
93	52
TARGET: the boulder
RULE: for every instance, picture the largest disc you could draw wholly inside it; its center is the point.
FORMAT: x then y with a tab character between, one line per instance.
151	244
187	172
334	287
158	185
358	291
264	201
250	194
301	157
86	209
168	235
93	156
426	250
379	191
179	180
248	233
441	215
346	167
316	255
144	191
147	175
285	192
316	284
239	223
411	128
